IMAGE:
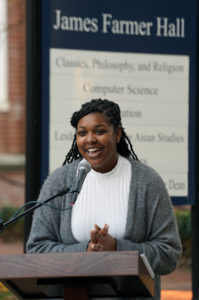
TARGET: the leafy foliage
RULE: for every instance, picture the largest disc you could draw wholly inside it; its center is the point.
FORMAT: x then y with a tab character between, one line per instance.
14	231
5	294
184	225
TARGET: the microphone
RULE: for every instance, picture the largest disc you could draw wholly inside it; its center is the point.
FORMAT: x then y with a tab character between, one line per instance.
82	170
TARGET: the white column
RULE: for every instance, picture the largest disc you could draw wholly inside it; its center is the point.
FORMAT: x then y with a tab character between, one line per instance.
4	103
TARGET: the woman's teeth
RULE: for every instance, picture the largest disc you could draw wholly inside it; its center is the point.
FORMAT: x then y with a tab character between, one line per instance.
92	150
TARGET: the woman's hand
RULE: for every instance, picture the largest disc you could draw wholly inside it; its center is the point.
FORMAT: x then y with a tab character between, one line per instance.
101	240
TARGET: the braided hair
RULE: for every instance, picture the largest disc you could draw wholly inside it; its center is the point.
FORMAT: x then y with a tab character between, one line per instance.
112	111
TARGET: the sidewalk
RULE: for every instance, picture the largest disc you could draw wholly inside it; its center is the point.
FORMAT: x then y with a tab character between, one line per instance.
176	295
177	285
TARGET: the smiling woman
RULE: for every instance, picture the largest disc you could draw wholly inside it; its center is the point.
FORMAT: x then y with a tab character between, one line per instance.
123	204
111	118
96	140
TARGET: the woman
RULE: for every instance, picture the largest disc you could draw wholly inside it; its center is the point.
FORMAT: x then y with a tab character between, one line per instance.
123	204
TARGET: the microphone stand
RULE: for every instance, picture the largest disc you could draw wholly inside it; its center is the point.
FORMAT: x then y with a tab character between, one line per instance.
12	220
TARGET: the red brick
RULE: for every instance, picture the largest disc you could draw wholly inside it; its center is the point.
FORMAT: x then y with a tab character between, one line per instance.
12	123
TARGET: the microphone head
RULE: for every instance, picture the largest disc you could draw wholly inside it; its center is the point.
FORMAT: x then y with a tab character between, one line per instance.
84	164
83	169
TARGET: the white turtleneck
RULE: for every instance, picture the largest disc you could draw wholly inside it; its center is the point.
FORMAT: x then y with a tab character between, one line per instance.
103	200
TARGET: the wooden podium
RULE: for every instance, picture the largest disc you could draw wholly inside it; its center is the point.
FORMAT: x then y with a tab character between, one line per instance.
76	275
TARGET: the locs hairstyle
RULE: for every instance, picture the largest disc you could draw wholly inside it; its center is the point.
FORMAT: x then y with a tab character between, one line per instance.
112	111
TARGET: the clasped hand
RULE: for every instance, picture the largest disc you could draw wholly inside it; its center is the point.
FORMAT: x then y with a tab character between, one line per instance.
101	240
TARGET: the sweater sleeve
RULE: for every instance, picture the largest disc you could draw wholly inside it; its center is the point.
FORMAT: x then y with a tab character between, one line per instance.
155	217
45	235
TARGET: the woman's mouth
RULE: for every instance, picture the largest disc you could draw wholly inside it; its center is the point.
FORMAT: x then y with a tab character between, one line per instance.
93	152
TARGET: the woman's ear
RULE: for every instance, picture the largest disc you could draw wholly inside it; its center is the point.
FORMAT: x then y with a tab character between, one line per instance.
118	134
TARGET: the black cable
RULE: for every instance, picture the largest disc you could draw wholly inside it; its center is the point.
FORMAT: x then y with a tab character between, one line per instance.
38	204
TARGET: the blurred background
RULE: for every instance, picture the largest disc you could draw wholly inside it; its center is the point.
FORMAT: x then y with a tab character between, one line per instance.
12	123
13	141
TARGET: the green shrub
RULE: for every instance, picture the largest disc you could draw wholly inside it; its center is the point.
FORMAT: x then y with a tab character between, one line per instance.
184	223
13	231
183	217
7	296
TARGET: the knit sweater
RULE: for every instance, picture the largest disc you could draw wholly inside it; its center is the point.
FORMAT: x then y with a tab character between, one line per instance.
150	227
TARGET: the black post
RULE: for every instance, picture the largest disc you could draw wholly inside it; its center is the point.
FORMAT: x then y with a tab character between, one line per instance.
33	111
195	250
195	207
195	214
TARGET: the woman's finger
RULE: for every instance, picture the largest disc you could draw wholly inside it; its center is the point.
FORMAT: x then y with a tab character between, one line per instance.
97	247
97	228
93	236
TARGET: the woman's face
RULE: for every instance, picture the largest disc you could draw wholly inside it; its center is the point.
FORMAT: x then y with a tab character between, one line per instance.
96	140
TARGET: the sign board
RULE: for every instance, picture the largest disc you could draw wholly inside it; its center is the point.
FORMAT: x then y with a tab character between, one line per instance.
141	55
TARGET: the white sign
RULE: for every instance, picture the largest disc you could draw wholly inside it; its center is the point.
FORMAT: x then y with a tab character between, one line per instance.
152	92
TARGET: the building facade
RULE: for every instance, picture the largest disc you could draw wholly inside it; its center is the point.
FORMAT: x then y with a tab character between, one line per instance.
12	102
12	82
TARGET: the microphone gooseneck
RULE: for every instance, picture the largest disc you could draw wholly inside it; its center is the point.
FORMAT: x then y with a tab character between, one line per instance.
82	170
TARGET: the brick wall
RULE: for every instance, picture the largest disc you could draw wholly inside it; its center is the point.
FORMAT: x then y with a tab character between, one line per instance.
12	187
12	123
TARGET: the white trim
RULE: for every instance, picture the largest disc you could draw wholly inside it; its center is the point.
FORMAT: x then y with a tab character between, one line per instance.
12	160
4	103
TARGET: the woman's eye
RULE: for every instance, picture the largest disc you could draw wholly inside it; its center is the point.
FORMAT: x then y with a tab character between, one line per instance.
81	133
100	131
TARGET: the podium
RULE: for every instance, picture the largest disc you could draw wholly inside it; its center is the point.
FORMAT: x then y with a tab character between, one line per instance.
76	275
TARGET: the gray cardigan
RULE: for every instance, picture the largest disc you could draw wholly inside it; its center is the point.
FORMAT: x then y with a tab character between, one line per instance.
150	228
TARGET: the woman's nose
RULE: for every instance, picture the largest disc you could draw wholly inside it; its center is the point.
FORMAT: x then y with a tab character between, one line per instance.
90	138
